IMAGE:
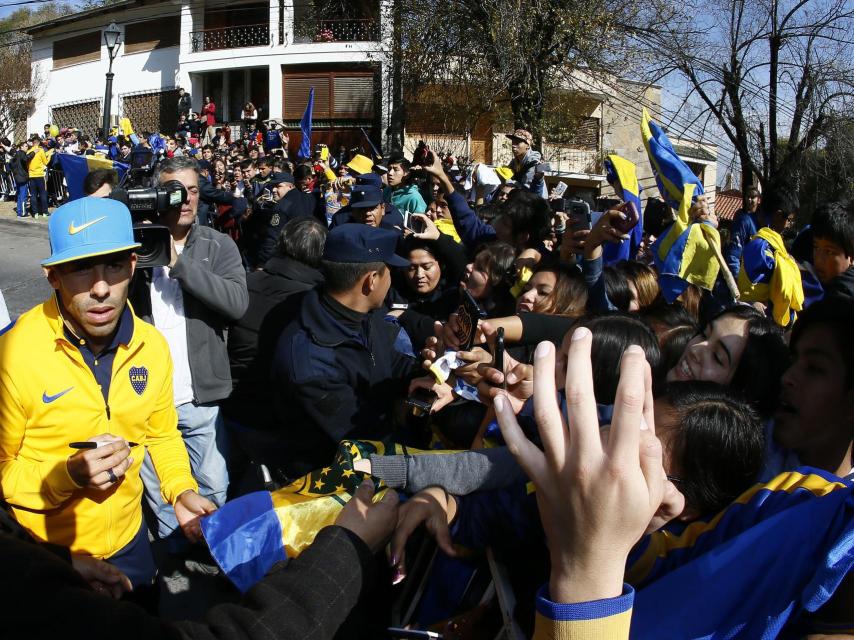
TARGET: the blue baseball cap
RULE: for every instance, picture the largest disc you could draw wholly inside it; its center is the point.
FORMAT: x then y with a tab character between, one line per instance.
369	178
89	227
365	196
354	242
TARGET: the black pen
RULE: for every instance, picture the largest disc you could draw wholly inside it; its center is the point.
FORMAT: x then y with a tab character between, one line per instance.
95	445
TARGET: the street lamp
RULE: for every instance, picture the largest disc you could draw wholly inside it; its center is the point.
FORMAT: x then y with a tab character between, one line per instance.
111	39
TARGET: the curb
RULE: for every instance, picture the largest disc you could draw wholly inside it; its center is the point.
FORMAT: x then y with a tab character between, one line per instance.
24	223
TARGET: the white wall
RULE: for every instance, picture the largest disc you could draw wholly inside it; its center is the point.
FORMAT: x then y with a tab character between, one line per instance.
149	70
178	66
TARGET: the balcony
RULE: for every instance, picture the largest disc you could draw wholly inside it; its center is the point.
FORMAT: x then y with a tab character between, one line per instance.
236	37
309	30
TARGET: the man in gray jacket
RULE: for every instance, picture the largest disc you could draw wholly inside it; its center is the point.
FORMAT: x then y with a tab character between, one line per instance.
192	301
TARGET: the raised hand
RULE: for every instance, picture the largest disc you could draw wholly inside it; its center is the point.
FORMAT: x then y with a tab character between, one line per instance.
595	500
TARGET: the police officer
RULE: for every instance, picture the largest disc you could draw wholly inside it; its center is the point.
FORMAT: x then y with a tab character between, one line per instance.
284	204
336	372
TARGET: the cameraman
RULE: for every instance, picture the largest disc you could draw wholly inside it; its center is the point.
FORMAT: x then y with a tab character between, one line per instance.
192	301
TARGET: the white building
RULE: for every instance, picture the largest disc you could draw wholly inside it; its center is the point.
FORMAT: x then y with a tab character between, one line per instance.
268	53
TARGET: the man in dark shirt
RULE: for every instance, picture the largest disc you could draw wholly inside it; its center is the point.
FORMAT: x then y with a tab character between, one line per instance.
335	372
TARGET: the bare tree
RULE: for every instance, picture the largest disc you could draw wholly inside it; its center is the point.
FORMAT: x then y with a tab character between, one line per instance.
773	75
18	86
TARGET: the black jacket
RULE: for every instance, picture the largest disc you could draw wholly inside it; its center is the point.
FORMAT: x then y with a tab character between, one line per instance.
841	285
185	103
209	197
42	596
272	303
19	164
265	225
333	382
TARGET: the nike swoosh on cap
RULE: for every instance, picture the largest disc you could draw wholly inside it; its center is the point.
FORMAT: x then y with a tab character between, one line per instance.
75	230
48	399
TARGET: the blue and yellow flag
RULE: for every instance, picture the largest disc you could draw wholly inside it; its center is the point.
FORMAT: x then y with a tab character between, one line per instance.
622	176
76	168
248	535
769	274
779	551
686	252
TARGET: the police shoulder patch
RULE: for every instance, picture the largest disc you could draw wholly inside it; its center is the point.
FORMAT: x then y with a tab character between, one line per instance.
138	379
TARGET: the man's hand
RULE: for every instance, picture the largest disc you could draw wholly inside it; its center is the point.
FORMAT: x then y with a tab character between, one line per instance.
433	508
444	392
372	522
700	212
101	576
101	468
470	372
595	500
190	507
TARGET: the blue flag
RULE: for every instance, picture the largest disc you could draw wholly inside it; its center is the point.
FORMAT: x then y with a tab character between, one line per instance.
76	168
305	125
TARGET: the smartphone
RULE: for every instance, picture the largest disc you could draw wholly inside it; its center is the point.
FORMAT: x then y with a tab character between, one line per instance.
421	402
579	216
560	188
558	204
416	225
468	313
632	217
498	356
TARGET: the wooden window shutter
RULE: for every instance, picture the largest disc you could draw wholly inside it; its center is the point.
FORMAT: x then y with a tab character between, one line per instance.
354	96
296	95
83	48
153	34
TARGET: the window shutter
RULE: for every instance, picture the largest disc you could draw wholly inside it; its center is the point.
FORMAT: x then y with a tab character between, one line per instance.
354	96
152	34
296	95
83	48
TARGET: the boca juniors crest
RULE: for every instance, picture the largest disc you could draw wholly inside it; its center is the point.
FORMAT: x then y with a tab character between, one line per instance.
138	379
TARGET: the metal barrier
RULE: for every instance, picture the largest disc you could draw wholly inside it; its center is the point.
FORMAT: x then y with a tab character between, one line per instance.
57	193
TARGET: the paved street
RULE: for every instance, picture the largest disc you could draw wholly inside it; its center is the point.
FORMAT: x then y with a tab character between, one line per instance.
23	244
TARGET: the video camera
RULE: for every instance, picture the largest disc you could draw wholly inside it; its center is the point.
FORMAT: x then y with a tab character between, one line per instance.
147	203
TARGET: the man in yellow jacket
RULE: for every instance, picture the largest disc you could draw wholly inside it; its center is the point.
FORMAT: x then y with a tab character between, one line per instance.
85	389
37	168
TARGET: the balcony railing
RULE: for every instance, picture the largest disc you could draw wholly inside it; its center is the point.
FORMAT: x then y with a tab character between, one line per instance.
367	30
247	35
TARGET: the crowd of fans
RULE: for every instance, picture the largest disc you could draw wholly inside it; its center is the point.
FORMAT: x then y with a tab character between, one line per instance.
579	421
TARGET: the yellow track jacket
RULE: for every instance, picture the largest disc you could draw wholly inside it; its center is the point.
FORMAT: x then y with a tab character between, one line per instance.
49	398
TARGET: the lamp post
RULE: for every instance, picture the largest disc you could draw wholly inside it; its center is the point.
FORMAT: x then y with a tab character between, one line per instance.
111	39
